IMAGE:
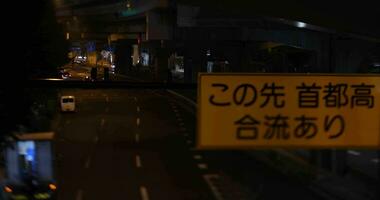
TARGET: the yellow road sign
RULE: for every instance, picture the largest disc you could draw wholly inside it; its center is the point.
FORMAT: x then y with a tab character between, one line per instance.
288	110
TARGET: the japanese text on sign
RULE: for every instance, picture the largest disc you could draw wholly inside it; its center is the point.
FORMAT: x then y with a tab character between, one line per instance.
289	110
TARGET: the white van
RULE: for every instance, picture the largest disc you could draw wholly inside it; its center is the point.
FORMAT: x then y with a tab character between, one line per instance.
68	104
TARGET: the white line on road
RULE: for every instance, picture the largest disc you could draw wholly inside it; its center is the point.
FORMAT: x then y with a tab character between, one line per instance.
107	99
79	195
88	162
214	189
197	157
355	153
102	122
138	161
144	193
375	160
202	166
138	121
137	137
138	108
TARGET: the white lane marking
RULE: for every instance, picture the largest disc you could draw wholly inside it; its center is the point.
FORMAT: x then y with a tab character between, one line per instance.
102	122
202	166
135	98
138	121
79	195
107	109
96	139
197	157
137	138
138	108
88	162
107	99
215	191
144	193
355	153
375	160
138	161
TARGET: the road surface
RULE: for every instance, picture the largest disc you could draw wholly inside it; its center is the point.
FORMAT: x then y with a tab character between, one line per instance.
139	144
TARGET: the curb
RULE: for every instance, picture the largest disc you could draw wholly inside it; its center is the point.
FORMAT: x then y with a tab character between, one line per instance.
191	102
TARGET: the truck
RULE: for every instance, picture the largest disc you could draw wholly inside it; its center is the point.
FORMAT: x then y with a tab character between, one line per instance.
29	167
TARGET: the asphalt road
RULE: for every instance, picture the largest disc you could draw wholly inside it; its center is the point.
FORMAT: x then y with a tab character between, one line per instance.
117	146
128	144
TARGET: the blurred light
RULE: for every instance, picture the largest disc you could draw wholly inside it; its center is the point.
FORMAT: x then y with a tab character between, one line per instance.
376	64
8	189
67	36
53	79
128	4
52	186
301	25
19	197
41	196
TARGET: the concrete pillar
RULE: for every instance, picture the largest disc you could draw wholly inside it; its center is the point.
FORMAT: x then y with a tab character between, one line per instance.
123	53
195	60
161	64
